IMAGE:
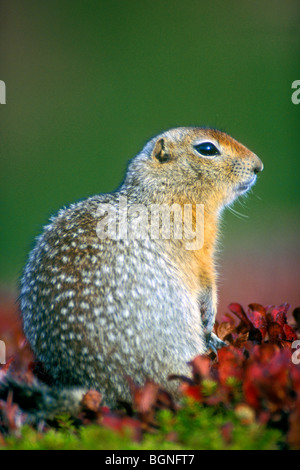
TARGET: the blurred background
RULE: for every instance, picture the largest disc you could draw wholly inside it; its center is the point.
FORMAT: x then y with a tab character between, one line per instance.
88	83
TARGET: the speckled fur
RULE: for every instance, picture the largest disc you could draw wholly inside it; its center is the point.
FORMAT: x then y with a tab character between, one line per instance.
96	311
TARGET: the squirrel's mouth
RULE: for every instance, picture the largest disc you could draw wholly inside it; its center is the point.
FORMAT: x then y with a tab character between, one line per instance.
243	187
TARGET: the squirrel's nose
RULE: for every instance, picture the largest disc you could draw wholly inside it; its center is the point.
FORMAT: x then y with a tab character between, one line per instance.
258	165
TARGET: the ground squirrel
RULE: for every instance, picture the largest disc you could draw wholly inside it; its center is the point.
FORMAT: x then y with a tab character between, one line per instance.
101	302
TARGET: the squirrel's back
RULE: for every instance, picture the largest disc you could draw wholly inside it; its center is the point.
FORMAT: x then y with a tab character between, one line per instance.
103	297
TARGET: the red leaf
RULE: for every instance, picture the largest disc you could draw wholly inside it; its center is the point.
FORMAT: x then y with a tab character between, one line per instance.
230	364
258	317
224	329
122	423
91	401
264	353
238	310
192	391
227	431
254	333
251	393
274	332
11	415
290	334
145	397
241	340
5	368
201	366
278	314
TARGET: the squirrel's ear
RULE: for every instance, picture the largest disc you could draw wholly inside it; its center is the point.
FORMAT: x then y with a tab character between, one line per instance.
160	151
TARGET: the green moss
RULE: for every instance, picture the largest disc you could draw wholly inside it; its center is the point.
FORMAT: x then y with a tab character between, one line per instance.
192	427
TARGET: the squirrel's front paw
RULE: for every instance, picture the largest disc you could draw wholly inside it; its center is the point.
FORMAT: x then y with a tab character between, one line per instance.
215	343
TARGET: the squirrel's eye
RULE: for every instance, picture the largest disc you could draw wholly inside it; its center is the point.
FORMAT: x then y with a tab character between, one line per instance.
207	149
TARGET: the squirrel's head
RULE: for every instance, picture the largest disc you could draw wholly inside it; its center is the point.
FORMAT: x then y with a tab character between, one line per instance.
198	165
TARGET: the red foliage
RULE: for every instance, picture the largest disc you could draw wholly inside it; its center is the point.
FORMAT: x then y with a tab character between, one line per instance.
230	361
261	324
257	375
258	318
94	412
18	352
265	367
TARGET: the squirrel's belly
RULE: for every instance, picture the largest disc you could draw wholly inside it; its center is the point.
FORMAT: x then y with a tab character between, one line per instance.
96	321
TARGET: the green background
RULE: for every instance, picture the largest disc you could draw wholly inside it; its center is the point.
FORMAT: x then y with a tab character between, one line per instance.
89	82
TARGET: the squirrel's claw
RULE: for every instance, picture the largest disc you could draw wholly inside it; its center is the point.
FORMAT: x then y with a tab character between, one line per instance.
215	343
